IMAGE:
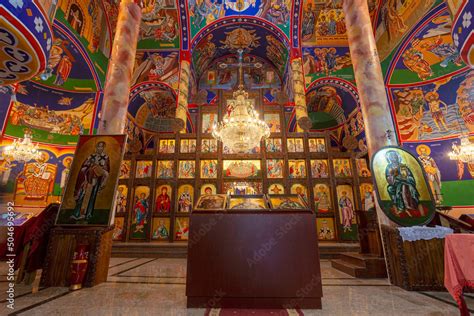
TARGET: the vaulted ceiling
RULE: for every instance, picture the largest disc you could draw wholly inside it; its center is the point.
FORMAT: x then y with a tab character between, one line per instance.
412	36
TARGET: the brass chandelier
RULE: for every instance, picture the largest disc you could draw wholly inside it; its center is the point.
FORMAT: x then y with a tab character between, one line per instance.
241	129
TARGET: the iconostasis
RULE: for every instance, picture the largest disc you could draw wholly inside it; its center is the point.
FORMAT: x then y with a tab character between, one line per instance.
164	174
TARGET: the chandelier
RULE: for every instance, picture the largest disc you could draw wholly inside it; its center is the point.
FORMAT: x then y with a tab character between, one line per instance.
463	152
23	150
241	130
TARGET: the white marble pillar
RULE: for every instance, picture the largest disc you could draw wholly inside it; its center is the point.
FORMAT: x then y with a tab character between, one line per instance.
113	115
182	106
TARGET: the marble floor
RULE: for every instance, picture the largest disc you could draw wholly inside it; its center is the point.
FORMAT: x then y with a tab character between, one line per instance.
146	286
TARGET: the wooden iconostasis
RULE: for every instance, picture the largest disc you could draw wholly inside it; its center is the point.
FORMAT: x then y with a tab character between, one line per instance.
157	189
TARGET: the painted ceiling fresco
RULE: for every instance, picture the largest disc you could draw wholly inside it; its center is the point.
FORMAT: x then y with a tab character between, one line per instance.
152	107
54	116
226	37
429	88
204	12
428	52
159	28
69	66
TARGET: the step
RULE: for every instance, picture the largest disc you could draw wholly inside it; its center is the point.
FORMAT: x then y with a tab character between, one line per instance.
348	268
361	259
372	267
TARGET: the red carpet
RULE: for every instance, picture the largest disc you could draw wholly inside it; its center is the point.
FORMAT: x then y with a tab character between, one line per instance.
252	312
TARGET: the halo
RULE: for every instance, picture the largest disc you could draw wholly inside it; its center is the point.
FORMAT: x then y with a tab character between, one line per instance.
68	158
427	149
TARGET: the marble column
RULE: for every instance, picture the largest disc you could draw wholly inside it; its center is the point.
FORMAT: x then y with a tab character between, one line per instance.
379	126
113	115
182	106
301	111
368	76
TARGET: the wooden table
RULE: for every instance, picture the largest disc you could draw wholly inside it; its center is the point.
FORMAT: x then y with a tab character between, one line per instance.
253	259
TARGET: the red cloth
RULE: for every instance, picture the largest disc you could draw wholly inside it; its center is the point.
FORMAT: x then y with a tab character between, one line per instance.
459	267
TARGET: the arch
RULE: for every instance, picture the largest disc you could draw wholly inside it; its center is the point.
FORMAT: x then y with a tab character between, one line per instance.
255	35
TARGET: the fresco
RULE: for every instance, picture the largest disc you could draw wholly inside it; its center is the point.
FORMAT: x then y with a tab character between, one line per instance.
321	62
50	172
450	181
434	110
429	52
156	66
159	27
153	107
330	102
223	74
323	22
67	67
394	19
54	116
7	95
204	12
254	37
88	23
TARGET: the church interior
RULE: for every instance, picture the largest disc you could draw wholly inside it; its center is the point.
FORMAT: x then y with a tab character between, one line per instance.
237	157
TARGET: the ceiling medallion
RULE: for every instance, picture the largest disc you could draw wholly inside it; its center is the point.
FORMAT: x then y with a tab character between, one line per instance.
241	130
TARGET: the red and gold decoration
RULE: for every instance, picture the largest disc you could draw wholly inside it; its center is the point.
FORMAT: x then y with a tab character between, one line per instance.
79	264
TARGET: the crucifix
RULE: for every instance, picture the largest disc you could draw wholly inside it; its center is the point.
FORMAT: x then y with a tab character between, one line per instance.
240	65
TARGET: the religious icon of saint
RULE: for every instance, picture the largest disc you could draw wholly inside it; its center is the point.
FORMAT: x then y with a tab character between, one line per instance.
321	198
401	186
184	201
431	169
347	210
161	232
325	232
140	210
182	231
163	201
121	199
92	178
118	230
